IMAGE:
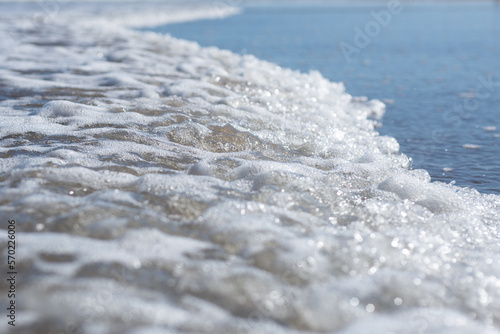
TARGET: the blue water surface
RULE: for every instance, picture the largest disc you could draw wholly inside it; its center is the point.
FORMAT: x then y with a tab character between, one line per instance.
437	66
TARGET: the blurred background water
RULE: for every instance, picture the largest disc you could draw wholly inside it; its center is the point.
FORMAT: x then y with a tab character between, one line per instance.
435	65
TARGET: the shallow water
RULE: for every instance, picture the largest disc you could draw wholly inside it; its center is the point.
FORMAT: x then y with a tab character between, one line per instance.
162	187
428	76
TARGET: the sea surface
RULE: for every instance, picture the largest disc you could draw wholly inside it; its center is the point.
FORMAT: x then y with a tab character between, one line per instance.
436	66
159	186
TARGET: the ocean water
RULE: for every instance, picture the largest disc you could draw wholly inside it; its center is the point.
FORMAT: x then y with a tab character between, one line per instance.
435	65
163	187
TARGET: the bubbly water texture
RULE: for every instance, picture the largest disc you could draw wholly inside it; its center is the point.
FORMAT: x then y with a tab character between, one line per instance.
161	187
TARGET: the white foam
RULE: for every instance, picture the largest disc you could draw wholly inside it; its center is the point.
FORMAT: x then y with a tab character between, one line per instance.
471	146
161	186
490	128
434	197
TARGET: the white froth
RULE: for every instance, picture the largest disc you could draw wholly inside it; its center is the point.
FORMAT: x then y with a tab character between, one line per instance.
471	146
434	197
490	128
159	186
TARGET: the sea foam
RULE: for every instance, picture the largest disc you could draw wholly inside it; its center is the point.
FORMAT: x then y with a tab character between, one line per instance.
159	186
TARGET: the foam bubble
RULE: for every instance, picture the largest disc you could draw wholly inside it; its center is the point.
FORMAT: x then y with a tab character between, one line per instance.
471	146
490	128
434	197
68	109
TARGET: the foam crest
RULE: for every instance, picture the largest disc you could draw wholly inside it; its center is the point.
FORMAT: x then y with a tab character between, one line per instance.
434	197
55	109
